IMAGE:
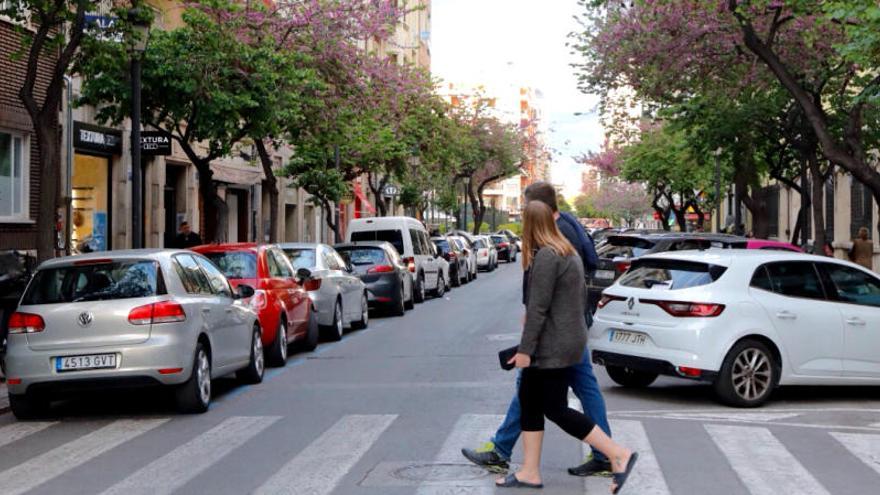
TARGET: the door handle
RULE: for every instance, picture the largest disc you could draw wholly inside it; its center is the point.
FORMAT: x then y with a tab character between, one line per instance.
786	315
856	322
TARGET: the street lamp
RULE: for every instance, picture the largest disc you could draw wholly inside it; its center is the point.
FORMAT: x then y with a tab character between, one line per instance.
140	30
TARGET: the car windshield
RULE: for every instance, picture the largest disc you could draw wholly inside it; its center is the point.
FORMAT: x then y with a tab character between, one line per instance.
363	255
628	247
497	239
442	245
670	274
235	264
122	279
392	236
301	258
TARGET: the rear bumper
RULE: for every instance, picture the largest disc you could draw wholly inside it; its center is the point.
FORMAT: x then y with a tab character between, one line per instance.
647	365
135	364
385	290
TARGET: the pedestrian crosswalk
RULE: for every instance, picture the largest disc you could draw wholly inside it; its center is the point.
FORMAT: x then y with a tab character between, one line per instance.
337	457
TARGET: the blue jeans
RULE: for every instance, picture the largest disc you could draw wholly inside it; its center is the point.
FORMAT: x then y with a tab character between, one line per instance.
585	387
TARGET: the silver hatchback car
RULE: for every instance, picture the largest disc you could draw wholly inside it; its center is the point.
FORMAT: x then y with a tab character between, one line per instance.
129	318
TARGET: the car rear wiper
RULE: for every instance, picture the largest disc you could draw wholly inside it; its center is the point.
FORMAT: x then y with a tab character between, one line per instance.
652	282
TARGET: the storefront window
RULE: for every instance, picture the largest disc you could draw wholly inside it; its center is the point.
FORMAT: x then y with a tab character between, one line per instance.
13	182
89	216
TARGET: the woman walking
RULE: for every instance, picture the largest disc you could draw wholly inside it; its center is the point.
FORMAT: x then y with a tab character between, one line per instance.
553	340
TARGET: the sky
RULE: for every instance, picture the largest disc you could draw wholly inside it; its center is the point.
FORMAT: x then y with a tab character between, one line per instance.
522	42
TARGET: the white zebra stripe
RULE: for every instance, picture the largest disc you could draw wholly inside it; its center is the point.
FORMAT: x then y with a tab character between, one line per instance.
17	431
865	447
468	429
40	469
173	470
322	465
763	464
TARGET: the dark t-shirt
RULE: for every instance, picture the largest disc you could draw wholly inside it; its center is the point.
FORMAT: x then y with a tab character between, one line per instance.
183	241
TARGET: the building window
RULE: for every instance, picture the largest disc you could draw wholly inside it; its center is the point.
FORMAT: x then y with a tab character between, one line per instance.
861	207
13	178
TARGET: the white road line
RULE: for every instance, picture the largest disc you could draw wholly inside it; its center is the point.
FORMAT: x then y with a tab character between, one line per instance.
321	466
40	469
763	464
17	431
468	430
647	477
176	468
865	447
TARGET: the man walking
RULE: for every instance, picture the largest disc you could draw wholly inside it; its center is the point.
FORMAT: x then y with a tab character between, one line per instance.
495	454
186	238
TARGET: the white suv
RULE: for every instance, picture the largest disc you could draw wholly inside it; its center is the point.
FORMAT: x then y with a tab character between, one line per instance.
412	241
743	320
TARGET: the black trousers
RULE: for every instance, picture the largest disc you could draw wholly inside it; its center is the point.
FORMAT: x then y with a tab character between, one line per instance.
544	393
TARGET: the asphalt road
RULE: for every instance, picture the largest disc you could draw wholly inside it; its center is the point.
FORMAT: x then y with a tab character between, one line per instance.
385	412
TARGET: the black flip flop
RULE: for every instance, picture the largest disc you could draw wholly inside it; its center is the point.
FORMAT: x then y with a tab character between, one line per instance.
510	481
620	478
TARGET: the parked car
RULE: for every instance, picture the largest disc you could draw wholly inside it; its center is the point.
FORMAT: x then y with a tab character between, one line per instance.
412	242
16	268
515	239
338	296
130	318
746	321
383	272
620	250
506	249
469	253
772	245
453	254
282	304
487	256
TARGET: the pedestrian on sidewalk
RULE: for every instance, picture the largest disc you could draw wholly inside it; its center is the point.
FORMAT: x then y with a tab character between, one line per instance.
862	251
186	238
553	341
495	454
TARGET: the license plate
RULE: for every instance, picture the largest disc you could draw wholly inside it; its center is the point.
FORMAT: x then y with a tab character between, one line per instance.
85	362
604	274
633	338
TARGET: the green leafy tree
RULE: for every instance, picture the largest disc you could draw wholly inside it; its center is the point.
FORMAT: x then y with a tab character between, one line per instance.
562	203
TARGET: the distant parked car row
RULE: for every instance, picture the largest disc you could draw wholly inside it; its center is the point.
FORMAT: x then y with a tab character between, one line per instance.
181	318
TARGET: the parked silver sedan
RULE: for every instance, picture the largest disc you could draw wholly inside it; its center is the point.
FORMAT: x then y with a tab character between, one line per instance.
338	295
129	318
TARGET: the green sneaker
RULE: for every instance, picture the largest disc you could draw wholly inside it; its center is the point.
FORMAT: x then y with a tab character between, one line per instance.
487	458
591	467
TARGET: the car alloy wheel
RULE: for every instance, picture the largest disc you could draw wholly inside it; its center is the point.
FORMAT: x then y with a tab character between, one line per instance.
203	377
337	319
282	340
441	285
259	360
752	374
365	315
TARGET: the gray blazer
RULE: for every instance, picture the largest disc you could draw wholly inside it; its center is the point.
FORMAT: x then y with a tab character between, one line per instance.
555	334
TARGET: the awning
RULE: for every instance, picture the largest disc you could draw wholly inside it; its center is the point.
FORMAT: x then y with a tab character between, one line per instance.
236	174
363	197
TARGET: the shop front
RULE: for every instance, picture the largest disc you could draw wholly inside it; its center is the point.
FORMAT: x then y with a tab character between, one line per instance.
91	188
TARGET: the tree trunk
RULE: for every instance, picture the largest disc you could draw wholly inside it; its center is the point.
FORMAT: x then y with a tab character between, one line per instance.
476	209
329	218
818	213
381	206
271	184
49	145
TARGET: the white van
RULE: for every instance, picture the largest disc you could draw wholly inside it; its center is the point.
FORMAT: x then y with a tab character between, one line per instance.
412	241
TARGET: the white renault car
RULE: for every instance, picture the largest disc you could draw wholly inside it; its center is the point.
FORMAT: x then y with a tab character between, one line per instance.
746	321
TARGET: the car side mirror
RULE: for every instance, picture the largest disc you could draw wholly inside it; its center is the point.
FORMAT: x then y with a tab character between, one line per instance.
244	291
303	274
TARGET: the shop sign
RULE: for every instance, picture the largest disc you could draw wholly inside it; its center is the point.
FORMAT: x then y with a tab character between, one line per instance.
155	143
390	190
94	138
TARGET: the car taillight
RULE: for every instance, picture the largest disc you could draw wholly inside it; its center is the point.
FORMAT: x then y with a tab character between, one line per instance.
688	309
503	245
410	263
452	256
381	269
607	299
259	300
312	284
26	323
160	312
622	266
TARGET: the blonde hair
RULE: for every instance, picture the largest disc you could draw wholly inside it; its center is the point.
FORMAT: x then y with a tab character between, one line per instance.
540	230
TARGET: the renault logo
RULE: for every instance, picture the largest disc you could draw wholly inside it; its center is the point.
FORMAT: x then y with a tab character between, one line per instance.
84	319
631	302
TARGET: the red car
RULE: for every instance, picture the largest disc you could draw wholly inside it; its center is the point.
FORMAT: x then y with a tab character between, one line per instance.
282	304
